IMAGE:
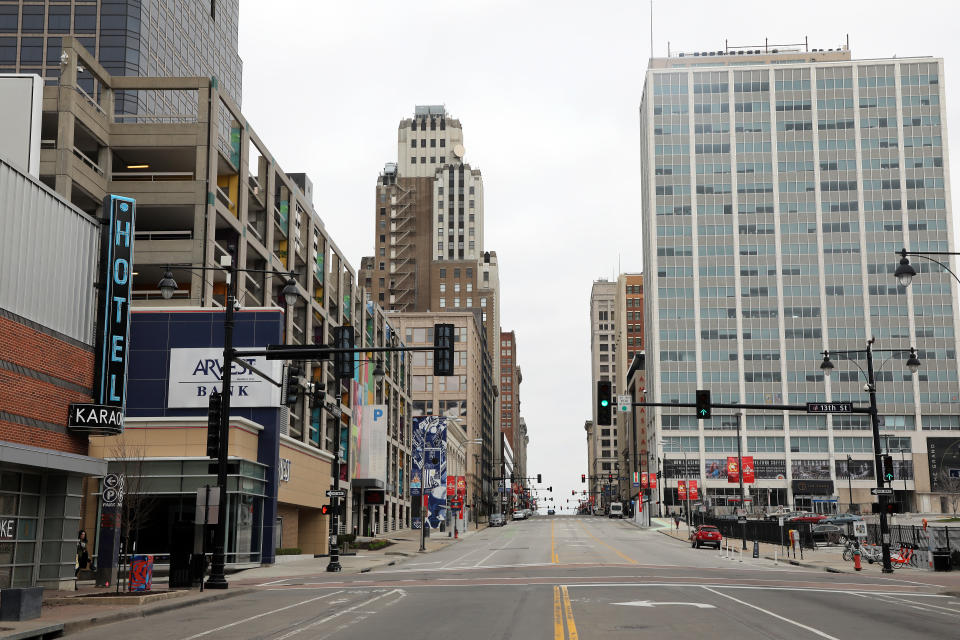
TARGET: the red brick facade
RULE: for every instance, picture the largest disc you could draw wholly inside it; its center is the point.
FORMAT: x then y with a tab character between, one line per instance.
28	397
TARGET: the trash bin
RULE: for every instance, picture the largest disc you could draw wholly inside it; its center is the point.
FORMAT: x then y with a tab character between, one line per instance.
941	560
141	573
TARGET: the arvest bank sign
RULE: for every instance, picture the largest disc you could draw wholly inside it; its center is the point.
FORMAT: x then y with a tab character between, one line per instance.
196	373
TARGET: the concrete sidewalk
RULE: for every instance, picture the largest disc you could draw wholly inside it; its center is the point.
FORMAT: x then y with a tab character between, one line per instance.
62	613
826	558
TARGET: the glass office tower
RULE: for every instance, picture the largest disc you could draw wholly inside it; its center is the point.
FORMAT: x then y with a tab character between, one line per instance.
776	187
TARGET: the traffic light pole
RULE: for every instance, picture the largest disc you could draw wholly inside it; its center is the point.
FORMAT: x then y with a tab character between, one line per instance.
882	499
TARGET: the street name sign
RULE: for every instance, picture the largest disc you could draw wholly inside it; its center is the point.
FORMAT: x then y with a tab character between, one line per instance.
881	491
336	493
829	407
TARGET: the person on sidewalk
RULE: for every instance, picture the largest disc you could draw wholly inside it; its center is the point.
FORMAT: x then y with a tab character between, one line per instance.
83	558
676	521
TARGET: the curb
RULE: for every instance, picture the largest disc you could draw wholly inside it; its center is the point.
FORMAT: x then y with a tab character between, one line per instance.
72	626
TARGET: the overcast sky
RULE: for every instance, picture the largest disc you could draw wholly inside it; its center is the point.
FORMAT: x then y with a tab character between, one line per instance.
548	95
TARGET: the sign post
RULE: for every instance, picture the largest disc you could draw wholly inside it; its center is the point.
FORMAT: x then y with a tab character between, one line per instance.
108	552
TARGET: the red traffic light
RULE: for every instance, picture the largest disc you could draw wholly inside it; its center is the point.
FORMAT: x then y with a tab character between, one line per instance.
325	510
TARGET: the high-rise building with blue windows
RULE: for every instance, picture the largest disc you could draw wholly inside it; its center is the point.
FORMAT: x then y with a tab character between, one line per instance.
146	38
777	185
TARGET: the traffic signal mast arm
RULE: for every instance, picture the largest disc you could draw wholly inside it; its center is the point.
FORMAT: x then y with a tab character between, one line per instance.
727	405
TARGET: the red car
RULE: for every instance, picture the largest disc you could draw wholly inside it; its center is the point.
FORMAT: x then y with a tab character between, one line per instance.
705	534
809	517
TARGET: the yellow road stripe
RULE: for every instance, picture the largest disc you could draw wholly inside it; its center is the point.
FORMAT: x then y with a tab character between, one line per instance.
557	619
554	558
625	557
571	627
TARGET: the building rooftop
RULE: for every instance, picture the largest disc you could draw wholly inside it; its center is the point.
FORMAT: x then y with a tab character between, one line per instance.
766	53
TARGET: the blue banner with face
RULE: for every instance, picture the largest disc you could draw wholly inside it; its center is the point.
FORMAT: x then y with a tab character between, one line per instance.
430	465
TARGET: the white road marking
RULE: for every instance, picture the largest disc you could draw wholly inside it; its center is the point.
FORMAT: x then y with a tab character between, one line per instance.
267	584
260	615
775	615
340	613
651	603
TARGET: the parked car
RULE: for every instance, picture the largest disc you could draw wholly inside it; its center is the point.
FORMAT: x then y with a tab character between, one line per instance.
616	510
829	534
519	515
550	512
842	518
497	520
705	534
809	517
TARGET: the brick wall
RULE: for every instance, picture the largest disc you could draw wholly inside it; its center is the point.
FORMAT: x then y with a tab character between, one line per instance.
58	373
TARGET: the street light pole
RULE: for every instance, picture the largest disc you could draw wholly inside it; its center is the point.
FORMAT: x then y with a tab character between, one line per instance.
743	504
217	579
849	482
878	456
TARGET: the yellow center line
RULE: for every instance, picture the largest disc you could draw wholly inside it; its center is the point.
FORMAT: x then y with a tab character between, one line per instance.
557	619
554	558
571	627
625	557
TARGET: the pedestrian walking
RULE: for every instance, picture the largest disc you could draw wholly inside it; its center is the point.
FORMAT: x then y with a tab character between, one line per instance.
676	521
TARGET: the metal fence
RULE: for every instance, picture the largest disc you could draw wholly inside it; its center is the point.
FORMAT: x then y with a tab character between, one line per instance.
768	531
938	538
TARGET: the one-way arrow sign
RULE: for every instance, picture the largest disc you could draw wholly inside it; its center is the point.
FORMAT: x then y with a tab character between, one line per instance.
650	603
881	491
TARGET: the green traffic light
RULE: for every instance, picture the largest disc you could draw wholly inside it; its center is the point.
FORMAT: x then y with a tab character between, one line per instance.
604	403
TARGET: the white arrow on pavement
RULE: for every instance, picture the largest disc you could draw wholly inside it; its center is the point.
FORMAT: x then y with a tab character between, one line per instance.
650	603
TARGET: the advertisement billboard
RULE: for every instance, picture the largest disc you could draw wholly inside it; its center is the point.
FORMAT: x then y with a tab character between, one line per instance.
429	462
372	444
196	373
943	458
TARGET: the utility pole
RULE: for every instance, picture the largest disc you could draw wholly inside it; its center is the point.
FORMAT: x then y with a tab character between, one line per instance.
875	420
743	503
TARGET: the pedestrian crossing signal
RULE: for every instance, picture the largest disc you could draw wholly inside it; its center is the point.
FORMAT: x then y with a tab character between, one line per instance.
703	404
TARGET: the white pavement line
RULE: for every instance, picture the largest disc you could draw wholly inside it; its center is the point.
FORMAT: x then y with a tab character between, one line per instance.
481	561
903	600
340	613
267	584
260	615
775	615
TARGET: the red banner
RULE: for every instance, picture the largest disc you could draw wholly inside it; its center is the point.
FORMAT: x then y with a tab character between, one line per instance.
748	475
733	470
643	480
652	479
461	485
451	485
682	489
692	490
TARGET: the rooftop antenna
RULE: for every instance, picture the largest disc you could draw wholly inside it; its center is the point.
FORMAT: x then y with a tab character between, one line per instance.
651	29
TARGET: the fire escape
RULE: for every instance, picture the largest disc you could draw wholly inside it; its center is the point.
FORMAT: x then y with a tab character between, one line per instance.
403	261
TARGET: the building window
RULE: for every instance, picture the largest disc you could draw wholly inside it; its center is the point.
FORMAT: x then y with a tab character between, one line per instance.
443	303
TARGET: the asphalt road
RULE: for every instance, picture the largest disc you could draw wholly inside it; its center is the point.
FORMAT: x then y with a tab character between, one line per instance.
565	578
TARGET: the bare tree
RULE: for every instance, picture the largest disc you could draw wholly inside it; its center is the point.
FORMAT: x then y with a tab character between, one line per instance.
950	485
128	459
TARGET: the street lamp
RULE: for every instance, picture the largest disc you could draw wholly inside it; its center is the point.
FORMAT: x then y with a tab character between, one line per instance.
849	482
167	286
378	372
913	364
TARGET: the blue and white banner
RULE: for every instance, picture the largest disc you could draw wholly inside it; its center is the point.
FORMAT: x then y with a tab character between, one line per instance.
430	466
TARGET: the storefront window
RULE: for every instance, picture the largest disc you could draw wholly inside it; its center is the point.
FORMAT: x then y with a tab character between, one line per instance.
19	509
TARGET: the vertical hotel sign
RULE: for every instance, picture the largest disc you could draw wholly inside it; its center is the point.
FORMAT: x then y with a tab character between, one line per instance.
113	322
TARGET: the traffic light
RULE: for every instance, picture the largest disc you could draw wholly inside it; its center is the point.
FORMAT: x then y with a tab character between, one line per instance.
573	492
604	393
443	352
703	404
292	386
326	510
539	478
343	362
659	474
214	409
550	489
583	478
887	461
609	477
888	508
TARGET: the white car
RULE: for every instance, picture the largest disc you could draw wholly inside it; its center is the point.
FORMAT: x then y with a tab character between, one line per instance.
519	515
616	510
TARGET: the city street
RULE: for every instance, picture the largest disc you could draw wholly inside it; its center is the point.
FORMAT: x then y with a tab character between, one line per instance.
567	577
